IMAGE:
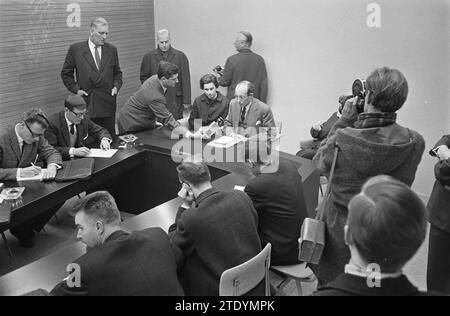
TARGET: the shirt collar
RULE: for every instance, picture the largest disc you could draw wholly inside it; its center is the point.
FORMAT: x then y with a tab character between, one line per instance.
365	272
218	98
67	120
20	139
162	86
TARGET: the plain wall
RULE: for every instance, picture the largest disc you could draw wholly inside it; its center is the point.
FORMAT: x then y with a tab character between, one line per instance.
315	49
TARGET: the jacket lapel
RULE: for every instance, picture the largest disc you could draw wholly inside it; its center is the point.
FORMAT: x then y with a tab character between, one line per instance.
106	56
81	131
64	129
15	143
88	56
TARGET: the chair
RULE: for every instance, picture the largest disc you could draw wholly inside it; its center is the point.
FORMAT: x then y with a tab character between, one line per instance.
298	272
241	279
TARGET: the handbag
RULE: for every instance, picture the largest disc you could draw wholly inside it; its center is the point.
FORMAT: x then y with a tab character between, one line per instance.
312	236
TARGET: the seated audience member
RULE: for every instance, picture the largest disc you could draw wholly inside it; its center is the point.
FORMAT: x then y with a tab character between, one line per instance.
21	146
211	105
318	132
370	144
247	114
213	231
72	132
438	274
277	195
118	263
148	105
385	227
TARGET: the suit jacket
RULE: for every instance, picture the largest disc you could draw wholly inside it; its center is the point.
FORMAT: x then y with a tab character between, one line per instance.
439	203
140	263
149	67
217	234
351	285
145	106
258	114
97	83
245	65
278	198
11	158
88	133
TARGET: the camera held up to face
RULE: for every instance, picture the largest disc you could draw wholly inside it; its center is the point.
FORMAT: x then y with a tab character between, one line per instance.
358	90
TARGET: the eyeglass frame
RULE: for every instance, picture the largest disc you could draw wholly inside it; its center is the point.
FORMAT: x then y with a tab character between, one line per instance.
79	115
33	135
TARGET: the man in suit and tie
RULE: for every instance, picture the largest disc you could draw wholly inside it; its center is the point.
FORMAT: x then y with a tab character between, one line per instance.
438	274
213	231
71	131
21	147
247	115
98	75
119	263
178	97
148	106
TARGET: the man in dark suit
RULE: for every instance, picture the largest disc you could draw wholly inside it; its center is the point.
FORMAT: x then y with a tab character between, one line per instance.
247	115
21	147
71	132
438	274
98	75
179	96
148	106
245	65
386	225
213	231
118	263
277	195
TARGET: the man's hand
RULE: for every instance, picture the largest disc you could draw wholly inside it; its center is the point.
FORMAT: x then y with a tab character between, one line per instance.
187	196
350	112
443	152
105	144
317	127
114	91
30	171
82	93
50	173
81	152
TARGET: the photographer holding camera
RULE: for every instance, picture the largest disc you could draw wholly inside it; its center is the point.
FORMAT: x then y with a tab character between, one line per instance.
370	143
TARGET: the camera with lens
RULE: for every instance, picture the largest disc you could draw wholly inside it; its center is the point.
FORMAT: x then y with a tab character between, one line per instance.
219	69
358	90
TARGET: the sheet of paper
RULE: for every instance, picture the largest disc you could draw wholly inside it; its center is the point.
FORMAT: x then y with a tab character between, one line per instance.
35	178
239	188
100	153
227	141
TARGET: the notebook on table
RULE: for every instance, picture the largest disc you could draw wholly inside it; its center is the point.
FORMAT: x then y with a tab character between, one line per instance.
75	169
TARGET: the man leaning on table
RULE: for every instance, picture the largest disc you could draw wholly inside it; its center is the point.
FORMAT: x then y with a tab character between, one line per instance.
21	146
72	132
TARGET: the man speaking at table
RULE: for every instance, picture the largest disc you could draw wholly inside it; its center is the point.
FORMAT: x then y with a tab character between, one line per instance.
20	148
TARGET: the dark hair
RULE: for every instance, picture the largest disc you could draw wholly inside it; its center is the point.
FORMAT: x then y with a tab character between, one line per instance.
248	37
386	223
250	86
208	79
194	173
166	69
36	116
389	89
99	206
75	101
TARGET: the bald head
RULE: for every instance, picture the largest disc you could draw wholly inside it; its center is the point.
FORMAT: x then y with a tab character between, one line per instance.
163	39
243	40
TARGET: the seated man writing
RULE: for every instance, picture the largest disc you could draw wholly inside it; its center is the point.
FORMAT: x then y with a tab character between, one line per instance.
72	132
118	263
21	146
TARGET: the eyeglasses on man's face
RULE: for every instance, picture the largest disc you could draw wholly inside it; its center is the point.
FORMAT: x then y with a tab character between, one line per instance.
79	115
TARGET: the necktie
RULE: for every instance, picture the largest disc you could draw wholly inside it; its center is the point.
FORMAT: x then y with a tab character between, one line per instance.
243	114
72	129
97	57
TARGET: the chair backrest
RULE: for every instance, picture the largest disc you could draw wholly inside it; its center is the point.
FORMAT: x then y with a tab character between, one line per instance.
241	279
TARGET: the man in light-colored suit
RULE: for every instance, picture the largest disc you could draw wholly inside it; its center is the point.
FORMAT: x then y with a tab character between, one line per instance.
21	147
149	104
248	114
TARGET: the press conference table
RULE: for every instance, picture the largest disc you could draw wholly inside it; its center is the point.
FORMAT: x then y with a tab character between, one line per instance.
146	184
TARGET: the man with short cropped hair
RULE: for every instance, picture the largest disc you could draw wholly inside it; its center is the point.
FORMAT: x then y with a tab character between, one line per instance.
213	231
72	132
179	96
386	226
91	69
245	65
119	263
21	147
